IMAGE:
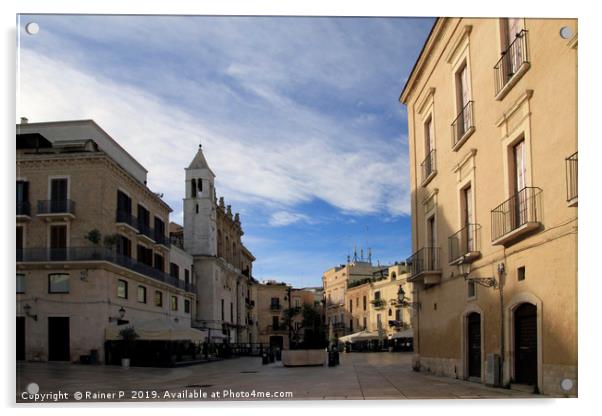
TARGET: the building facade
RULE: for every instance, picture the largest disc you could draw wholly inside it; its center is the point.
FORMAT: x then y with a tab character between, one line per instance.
222	265
92	244
492	119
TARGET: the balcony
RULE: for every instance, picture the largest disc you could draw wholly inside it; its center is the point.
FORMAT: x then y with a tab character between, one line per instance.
23	211
162	239
60	209
516	217
424	266
378	303
465	245
276	329
250	304
571	180
462	126
87	254
428	167
511	66
126	220
275	307
146	232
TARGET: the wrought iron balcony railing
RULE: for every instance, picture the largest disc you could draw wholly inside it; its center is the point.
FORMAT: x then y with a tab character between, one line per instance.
161	239
464	242
23	208
424	260
56	206
571	178
462	123
275	306
70	254
521	210
513	58
146	230
378	303
428	166
126	218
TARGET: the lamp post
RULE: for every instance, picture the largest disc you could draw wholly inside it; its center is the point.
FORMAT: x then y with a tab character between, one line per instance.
119	320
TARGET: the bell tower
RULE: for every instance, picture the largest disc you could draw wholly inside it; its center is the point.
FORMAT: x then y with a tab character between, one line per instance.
200	227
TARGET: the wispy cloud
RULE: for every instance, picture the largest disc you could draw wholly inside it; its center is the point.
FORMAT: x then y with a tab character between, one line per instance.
283	218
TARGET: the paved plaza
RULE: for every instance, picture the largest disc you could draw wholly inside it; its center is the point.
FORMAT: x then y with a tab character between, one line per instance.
360	376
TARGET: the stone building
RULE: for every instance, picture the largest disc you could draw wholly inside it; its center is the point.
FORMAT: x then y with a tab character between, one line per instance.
92	244
492	118
222	265
335	282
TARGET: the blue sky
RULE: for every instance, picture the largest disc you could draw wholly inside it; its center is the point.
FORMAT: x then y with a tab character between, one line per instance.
299	119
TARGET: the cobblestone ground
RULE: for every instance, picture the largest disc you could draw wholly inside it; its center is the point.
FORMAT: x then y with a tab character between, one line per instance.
360	376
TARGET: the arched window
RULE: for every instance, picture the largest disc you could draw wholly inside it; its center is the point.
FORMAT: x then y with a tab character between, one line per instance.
390	312
193	188
200	183
393	275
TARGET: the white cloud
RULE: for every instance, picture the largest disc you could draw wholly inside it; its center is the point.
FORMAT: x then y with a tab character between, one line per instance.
283	218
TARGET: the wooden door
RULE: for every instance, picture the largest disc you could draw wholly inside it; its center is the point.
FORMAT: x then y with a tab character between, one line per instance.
525	344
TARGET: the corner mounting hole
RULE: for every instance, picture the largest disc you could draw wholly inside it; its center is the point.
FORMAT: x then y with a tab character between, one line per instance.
32	28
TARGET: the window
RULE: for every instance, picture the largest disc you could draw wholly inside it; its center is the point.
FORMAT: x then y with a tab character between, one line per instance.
275	323
398	315
365	304
58	242
365	323
20	283
174	303
19	242
124	246
428	165
463	120
186	306
357	302
378	321
58	283
377	295
275	303
231	312
174	270
158	298
390	312
514	55
143	218
187	276
223	316
520	272
159	228
297	303
23	207
159	262
124	205
58	190
467	219
145	255
122	289
472	289
350	306
141	294
393	276
193	190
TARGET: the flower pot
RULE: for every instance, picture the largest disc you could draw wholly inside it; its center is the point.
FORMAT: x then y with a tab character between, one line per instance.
125	362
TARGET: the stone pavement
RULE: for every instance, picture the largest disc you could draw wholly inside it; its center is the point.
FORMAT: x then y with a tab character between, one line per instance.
360	376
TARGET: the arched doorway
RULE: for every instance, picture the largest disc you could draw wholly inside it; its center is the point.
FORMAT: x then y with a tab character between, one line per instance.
473	342
525	344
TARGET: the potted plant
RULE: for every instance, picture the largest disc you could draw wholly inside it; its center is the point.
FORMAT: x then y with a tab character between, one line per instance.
128	336
94	236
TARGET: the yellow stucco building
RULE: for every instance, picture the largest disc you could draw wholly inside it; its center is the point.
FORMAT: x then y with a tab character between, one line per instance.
492	120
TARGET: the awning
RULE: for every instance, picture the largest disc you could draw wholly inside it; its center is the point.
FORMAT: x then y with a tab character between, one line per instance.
360	336
158	330
407	333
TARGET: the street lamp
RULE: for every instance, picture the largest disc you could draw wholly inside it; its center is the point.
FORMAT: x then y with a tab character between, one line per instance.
27	310
483	281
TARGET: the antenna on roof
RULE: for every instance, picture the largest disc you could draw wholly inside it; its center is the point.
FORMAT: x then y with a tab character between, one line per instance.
369	255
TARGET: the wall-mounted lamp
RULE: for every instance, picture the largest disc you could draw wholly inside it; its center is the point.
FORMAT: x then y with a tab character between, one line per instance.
27	310
483	281
119	319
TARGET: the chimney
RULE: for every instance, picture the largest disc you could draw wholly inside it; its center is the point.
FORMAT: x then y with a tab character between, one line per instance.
24	120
